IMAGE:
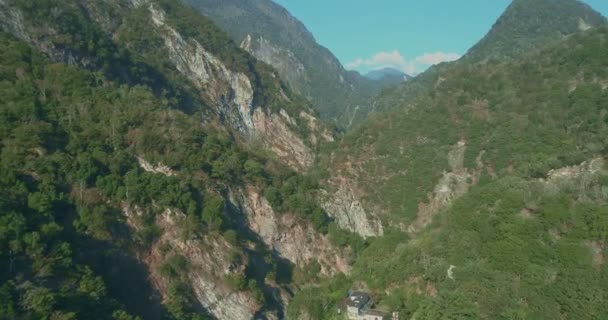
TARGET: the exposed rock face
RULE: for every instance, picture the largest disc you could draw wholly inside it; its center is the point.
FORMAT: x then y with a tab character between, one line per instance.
285	143
271	34
315	126
159	168
137	3
209	261
231	90
294	240
586	168
233	95
344	206
230	93
12	21
451	186
285	61
578	178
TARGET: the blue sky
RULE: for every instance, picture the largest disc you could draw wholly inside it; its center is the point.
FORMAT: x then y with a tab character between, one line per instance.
409	34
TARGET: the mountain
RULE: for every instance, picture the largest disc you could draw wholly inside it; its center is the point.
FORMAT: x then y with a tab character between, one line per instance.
387	73
154	169
525	27
270	33
151	169
528	25
491	187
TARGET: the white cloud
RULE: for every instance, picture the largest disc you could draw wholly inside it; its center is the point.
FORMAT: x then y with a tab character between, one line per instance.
437	57
395	60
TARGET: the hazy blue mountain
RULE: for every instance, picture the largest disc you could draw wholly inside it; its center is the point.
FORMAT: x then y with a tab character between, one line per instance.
387	73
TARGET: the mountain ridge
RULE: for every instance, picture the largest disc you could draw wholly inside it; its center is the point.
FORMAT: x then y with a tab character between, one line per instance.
473	174
138	140
527	25
311	69
154	168
379	74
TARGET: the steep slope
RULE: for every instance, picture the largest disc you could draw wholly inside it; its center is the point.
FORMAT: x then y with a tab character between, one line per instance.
492	188
206	74
270	33
528	25
140	147
525	27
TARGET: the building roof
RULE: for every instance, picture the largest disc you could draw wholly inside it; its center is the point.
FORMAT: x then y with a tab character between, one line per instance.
357	299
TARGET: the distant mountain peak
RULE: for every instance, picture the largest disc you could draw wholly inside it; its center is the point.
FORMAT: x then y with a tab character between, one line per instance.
530	24
388	72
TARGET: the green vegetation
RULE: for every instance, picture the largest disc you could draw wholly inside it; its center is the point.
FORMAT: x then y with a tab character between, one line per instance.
337	95
70	139
519	244
528	25
525	118
510	241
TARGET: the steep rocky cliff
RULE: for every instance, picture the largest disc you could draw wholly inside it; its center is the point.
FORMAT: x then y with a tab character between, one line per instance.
345	206
234	96
273	35
292	238
212	262
150	110
208	262
451	186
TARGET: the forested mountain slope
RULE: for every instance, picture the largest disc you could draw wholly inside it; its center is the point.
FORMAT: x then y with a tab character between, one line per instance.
525	27
528	25
153	169
180	55
150	168
273	35
493	191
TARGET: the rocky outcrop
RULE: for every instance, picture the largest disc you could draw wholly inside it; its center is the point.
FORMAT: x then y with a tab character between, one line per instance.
348	211
292	239
209	262
271	34
452	185
229	93
232	91
315	126
11	21
285	61
587	168
580	178
233	96
159	168
277	135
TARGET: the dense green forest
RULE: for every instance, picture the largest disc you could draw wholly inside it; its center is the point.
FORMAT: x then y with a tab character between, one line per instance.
70	138
524	118
69	152
514	149
530	25
521	243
